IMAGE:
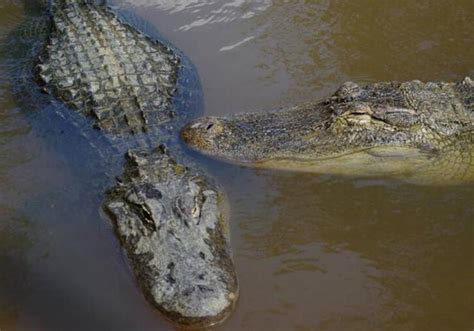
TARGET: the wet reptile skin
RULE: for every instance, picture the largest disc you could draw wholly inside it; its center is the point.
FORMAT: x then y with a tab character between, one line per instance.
412	129
169	219
104	68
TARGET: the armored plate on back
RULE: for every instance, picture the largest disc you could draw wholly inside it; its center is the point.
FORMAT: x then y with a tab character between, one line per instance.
102	67
422	132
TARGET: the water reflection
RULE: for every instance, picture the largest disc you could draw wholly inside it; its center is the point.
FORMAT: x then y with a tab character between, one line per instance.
219	37
207	12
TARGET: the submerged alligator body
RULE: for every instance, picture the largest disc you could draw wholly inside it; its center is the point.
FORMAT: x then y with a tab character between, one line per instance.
423	132
104	68
134	88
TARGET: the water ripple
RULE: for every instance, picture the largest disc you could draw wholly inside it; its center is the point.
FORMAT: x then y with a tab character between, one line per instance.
208	12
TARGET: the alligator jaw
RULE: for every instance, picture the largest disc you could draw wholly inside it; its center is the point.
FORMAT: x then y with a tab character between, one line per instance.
410	129
208	135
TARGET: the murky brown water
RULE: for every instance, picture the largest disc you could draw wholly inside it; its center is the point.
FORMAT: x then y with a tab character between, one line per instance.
312	252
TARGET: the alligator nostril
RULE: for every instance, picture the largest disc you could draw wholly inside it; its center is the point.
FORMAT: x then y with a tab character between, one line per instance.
210	126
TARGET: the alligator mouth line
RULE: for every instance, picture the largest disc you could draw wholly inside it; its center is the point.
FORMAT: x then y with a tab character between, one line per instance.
393	152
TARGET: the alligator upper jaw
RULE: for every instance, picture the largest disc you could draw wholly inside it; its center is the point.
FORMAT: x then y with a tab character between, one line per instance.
378	161
170	221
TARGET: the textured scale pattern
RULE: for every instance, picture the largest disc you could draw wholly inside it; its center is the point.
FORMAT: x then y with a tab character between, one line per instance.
429	126
104	68
169	220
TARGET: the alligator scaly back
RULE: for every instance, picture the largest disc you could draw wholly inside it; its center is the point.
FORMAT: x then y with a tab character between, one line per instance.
104	68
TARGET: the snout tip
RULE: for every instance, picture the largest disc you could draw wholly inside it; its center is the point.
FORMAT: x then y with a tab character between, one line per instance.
201	133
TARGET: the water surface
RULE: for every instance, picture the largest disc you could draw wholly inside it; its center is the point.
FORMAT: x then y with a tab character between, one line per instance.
312	252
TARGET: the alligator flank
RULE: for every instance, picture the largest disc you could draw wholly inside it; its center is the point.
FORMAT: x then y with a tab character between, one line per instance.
418	131
170	222
106	69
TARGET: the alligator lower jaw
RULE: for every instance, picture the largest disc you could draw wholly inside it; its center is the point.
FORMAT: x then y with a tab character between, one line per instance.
409	164
378	161
169	221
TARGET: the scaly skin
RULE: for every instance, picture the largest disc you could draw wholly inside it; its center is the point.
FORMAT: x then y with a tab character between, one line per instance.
104	68
170	222
420	131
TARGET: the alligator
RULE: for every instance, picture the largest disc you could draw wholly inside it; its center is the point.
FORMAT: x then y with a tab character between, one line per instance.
137	89
98	68
421	132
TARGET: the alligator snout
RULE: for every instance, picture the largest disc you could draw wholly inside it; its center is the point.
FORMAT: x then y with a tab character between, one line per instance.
202	133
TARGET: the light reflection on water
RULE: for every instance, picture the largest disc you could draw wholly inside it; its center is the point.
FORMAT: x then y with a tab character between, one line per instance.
204	13
303	50
312	252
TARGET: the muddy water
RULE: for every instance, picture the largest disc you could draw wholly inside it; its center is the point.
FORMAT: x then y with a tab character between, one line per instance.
312	252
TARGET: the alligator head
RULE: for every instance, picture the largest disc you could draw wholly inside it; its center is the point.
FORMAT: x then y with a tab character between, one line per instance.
384	128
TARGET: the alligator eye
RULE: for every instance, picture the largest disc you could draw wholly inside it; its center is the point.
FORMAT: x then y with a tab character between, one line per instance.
210	126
